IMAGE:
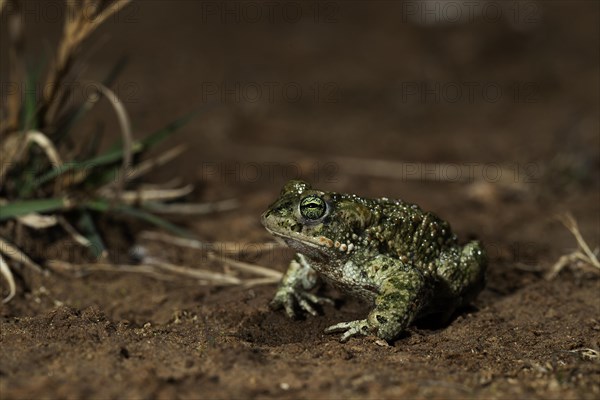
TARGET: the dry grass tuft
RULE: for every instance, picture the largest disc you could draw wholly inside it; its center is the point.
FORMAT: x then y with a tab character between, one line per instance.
47	181
581	257
82	19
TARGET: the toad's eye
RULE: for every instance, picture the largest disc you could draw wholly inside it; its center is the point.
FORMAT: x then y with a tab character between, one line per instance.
312	207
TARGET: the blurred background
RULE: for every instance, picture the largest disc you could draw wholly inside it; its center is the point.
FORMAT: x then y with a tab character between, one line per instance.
496	92
485	112
416	81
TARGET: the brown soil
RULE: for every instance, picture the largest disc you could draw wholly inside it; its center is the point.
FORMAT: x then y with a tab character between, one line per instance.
109	335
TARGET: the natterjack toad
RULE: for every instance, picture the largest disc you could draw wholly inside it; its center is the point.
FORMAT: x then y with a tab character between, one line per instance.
406	262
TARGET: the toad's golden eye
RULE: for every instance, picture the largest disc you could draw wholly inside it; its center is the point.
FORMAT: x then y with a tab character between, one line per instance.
312	207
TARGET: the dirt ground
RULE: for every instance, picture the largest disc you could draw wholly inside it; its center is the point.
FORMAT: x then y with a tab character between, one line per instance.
300	93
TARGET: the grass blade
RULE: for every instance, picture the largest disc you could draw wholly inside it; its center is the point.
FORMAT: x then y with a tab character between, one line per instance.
77	113
88	229
105	206
30	102
19	208
111	156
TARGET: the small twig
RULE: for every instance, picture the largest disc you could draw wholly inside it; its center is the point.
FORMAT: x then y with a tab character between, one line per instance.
153	267
114	8
260	281
247	267
194	209
176	240
77	237
7	274
60	266
232	248
558	266
142	196
268	274
215	277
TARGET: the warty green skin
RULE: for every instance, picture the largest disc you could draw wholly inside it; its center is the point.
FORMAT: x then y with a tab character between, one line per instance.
406	262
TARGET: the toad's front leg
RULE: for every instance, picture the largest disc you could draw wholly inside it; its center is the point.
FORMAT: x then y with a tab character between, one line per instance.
293	291
402	294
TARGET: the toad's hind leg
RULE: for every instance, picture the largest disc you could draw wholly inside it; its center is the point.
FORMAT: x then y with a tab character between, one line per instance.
401	298
402	292
461	275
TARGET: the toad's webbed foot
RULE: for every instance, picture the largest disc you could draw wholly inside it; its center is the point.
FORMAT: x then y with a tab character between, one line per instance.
353	328
294	294
292	299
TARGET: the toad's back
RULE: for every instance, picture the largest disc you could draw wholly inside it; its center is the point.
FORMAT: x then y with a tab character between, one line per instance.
405	231
406	260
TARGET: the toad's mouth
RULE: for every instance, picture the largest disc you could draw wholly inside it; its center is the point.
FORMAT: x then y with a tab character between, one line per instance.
314	248
294	238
